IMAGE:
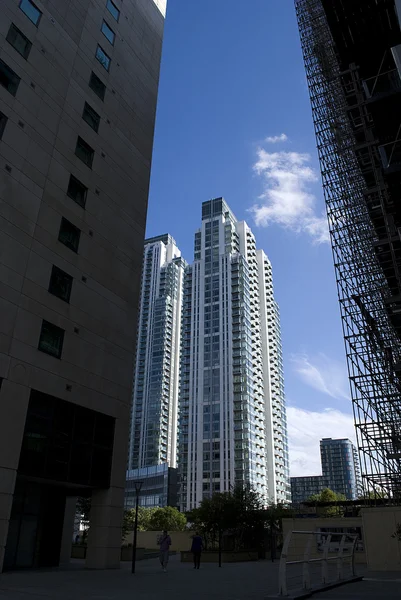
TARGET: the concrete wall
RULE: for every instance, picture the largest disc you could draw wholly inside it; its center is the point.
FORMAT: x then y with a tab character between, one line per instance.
180	540
37	157
383	552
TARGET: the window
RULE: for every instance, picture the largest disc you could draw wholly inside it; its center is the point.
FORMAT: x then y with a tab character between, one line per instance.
113	10
51	339
69	235
60	284
97	86
31	11
3	121
8	78
19	41
103	58
91	117
84	152
108	32
77	191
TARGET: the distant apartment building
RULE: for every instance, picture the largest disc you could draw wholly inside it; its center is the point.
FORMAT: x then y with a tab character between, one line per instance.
302	488
340	472
158	487
340	465
78	94
154	417
233	426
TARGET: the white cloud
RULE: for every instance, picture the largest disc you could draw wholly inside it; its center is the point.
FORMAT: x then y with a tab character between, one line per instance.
323	374
274	139
287	199
306	429
162	6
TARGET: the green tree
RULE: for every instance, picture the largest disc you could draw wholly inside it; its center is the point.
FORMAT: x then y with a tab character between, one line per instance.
274	515
168	518
144	517
128	523
327	495
237	517
84	508
373	495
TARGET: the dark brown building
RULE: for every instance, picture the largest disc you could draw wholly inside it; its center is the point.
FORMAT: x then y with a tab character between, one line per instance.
78	92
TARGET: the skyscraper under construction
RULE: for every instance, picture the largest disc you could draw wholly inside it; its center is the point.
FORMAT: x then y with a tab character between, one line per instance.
352	54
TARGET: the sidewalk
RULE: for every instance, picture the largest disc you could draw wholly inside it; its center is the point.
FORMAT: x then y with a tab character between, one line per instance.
375	586
240	581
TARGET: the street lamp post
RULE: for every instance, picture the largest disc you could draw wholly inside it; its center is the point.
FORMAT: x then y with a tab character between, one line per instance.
138	486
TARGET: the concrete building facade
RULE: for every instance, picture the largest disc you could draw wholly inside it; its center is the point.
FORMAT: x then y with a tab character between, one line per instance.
78	92
154	420
232	406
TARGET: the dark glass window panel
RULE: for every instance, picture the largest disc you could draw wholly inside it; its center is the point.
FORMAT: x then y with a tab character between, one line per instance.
18	41
84	427
34	453
101	464
104	435
103	58
3	121
97	85
108	33
59	442
8	78
84	152
113	10
31	11
77	191
80	463
91	117
69	235
60	284
51	339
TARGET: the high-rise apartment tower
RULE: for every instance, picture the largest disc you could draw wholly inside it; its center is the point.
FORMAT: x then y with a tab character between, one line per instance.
78	91
340	472
340	467
157	369
232	407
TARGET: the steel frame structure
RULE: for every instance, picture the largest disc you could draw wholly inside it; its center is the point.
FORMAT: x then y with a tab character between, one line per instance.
372	345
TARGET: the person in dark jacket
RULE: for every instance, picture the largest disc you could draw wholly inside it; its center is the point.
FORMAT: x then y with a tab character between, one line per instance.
196	549
165	543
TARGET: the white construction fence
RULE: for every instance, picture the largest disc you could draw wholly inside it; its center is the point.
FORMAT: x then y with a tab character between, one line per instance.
311	559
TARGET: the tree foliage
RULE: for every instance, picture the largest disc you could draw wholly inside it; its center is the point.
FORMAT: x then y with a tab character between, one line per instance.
84	508
274	515
144	517
237	516
168	518
373	495
327	495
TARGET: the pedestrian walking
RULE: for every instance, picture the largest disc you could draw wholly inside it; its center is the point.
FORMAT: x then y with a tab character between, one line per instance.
196	549
165	543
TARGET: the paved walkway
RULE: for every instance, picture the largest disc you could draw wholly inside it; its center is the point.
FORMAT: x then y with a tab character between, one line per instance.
375	586
240	581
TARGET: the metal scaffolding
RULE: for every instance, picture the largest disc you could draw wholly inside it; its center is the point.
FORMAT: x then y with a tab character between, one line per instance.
372	344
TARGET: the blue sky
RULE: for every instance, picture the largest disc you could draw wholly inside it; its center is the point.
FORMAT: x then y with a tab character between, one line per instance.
234	120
